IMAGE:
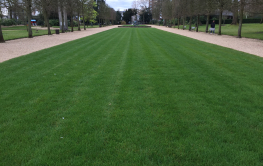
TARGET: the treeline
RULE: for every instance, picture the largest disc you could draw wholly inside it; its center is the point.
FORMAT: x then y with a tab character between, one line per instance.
87	10
182	9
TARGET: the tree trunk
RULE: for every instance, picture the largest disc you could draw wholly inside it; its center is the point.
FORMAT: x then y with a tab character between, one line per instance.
71	23
207	23
63	28
65	14
241	19
1	35
48	27
197	24
190	24
183	22
28	8
60	16
220	22
84	22
47	21
11	15
235	13
78	23
178	22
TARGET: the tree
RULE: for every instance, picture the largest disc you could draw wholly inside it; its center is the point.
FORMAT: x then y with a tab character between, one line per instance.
234	9
1	34
118	17
190	12
222	5
28	8
145	15
255	7
209	8
71	8
166	10
62	13
143	4
46	6
84	7
156	9
127	15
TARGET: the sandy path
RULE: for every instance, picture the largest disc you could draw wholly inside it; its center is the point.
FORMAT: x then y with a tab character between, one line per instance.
251	46
15	48
19	47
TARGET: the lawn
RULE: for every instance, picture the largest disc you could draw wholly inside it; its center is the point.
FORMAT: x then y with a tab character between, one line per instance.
132	97
82	27
17	32
254	31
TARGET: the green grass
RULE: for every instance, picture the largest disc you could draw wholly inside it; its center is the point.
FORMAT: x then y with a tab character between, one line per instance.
82	27
132	97
15	28
133	25
254	31
17	34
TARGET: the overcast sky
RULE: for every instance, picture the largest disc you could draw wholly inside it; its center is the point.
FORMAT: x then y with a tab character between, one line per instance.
120	4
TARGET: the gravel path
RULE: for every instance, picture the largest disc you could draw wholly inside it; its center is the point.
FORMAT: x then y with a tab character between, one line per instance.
19	47
251	46
15	48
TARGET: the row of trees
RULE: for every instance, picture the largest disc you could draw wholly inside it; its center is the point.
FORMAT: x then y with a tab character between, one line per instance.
87	10
182	9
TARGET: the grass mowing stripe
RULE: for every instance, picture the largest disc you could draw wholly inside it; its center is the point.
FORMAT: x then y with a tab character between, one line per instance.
33	77
83	77
145	97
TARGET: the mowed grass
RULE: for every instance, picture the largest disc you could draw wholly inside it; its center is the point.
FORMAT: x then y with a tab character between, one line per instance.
254	31
132	97
17	32
82	27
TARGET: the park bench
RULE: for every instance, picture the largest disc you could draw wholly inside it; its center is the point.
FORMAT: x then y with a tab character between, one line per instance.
193	28
212	29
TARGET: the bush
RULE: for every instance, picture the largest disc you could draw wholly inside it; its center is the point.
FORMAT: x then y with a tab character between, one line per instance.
54	22
40	22
251	20
123	23
75	23
8	22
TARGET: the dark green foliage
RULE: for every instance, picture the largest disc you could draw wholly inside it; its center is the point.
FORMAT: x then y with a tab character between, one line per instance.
147	15
8	22
132	97
118	17
54	22
128	14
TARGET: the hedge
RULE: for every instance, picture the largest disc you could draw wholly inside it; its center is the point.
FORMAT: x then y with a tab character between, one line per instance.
230	21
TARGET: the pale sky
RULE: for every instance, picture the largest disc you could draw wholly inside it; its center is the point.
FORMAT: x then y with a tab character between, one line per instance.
120	4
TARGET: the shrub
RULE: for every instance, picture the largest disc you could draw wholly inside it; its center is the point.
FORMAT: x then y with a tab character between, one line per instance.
40	22
123	23
54	22
8	22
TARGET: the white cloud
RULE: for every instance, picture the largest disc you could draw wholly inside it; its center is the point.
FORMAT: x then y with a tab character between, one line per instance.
120	4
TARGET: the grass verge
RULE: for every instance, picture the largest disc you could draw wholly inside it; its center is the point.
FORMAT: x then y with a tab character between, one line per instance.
254	31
